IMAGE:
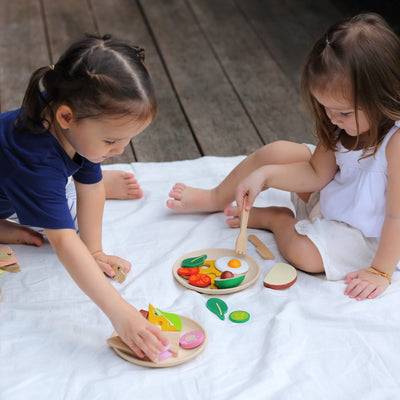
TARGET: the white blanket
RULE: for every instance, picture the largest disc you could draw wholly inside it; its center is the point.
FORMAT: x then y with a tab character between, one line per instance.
306	342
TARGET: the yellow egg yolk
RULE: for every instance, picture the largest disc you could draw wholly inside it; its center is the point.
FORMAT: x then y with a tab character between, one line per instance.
234	263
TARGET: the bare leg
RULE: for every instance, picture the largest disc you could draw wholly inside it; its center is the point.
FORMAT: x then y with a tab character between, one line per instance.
297	249
12	233
189	199
121	185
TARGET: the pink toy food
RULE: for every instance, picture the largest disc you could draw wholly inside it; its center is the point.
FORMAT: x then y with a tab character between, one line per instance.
191	339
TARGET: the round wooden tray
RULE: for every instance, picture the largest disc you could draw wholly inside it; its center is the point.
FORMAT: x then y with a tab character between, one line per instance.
212	254
185	355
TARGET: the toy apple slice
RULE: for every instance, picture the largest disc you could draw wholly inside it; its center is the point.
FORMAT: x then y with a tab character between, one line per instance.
281	276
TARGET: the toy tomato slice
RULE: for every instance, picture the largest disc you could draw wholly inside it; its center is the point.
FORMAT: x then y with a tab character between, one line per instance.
188	271
200	280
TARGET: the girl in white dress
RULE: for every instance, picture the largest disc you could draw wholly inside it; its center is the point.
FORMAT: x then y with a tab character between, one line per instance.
351	181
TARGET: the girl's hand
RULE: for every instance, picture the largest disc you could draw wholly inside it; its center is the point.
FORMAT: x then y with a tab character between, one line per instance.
363	284
252	186
140	335
106	262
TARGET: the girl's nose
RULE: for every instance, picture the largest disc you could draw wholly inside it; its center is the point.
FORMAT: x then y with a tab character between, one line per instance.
118	150
334	117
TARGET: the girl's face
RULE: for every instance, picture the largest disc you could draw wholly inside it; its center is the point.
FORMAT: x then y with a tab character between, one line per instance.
99	139
341	112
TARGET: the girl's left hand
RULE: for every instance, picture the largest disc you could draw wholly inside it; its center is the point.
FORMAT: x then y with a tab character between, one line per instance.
106	263
363	284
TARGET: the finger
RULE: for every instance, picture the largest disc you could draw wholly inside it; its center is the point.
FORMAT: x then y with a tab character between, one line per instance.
366	292
350	276
357	290
378	291
133	346
150	345
107	269
351	285
159	335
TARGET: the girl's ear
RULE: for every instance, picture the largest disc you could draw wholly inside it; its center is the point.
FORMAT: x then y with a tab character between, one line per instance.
64	116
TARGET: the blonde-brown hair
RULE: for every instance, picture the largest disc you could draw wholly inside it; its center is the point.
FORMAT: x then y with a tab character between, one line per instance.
358	58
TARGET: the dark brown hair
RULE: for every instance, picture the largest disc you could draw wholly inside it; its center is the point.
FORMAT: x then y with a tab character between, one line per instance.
358	58
96	76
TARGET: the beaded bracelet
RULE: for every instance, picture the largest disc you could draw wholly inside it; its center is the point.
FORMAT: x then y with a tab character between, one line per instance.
377	272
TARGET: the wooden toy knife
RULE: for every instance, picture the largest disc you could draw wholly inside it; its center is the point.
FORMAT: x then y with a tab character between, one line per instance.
261	248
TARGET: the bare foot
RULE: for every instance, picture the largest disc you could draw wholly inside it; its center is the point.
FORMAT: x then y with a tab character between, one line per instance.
12	233
189	199
121	185
259	218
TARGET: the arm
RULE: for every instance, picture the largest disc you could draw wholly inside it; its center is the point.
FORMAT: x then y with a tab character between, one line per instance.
139	334
90	206
307	176
364	284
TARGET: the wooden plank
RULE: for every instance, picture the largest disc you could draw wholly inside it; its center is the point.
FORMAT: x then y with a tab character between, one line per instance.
212	106
68	21
267	93
281	33
22	49
168	137
315	16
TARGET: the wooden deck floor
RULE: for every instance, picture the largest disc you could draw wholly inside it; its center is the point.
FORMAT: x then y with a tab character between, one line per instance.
226	72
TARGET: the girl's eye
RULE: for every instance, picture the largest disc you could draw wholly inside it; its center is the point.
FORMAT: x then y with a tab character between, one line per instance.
345	114
110	141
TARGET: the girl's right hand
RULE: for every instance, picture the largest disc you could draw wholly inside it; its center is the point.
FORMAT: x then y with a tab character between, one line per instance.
250	186
140	335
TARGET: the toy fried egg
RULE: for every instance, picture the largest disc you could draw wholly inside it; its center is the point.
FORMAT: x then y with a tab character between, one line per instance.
234	265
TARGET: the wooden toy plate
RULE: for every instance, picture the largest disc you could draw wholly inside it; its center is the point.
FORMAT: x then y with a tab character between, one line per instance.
212	254
188	325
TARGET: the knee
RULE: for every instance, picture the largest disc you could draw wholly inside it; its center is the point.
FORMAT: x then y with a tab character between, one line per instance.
305	256
271	153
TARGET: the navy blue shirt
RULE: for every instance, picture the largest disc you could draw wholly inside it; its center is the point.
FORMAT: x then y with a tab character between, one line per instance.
34	170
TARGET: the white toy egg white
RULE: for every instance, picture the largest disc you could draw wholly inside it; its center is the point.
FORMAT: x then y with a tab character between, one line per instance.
232	264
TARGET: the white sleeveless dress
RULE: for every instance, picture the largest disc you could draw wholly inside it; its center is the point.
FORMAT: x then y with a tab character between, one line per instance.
347	226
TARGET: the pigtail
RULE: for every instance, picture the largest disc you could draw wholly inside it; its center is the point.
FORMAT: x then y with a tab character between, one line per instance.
34	102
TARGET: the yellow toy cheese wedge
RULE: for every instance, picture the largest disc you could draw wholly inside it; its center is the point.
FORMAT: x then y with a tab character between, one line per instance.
281	276
160	320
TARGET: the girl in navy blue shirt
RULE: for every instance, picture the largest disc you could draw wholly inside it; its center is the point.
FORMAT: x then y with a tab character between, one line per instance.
75	114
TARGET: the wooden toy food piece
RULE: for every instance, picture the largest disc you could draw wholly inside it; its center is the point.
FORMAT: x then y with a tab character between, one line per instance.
191	340
281	276
261	248
119	273
173	319
186	272
194	261
218	307
200	280
161	320
239	316
8	260
226	275
209	269
229	282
